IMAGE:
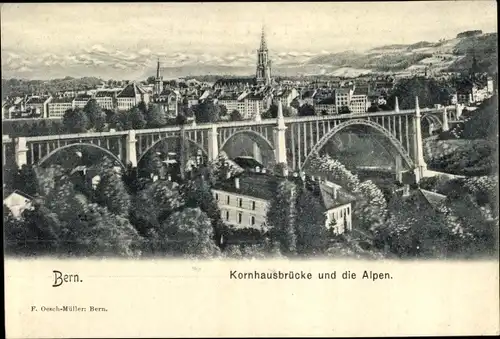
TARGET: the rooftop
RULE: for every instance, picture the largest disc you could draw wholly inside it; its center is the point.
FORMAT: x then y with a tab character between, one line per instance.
36	100
130	91
62	100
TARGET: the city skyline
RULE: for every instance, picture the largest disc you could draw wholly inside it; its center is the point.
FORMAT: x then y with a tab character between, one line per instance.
128	38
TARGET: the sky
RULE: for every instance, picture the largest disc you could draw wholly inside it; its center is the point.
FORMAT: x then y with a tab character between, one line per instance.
221	27
56	39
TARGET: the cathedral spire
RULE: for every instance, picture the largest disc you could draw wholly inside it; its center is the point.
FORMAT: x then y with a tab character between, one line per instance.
158	69
263	45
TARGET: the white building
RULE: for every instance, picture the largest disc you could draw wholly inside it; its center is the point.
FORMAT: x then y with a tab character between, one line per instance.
17	202
131	96
58	106
81	100
105	99
244	201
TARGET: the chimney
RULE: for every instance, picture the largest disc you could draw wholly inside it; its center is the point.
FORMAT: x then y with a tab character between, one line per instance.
237	183
406	190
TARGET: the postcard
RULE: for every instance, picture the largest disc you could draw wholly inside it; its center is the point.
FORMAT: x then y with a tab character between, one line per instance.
250	169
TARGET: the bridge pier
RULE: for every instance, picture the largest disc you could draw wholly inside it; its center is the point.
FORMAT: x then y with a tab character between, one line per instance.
446	126
458	111
398	168
213	144
420	165
279	137
257	154
21	152
131	152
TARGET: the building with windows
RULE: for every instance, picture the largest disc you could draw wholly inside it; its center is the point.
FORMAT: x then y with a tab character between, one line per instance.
105	99
81	100
58	106
131	96
244	200
38	106
343	98
326	105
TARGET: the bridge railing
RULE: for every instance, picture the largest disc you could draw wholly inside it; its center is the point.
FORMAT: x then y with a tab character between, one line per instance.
229	124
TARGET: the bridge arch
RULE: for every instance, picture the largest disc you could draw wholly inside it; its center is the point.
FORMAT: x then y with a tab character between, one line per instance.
393	141
104	150
433	118
256	137
198	146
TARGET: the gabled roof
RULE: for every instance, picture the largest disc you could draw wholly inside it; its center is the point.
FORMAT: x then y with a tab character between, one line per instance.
36	100
131	91
102	94
61	100
83	97
327	101
8	193
433	198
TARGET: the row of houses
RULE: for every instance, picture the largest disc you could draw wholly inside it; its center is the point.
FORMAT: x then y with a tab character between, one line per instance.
55	106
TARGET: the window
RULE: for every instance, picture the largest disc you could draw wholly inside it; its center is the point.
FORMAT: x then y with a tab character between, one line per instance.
217	196
253	205
227	215
252	220
228	199
239	218
240	203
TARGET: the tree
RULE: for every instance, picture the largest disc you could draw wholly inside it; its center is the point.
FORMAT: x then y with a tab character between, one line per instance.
136	119
207	112
111	192
370	210
95	115
428	90
310	226
155	117
99	232
272	112
142	107
223	110
344	110
235	116
188	232
281	217
306	110
324	112
153	205
75	121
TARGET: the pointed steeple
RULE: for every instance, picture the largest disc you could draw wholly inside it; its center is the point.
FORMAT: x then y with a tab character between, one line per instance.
417	107
263	45
158	69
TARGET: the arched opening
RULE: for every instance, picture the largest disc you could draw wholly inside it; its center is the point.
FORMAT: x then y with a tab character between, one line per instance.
430	125
365	148
251	144
79	154
163	159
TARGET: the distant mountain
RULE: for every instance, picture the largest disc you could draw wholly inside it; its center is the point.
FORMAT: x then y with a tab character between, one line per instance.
452	54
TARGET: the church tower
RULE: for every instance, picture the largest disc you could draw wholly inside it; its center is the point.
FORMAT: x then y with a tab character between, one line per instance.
158	80
263	74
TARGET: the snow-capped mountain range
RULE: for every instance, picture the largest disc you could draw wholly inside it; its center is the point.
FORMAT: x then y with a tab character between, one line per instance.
109	63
